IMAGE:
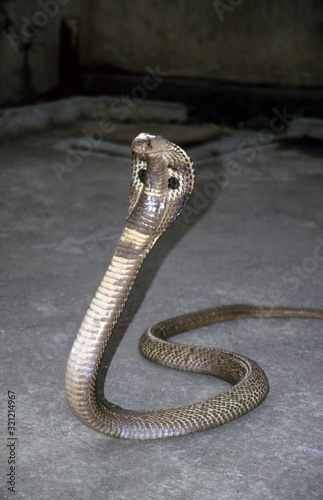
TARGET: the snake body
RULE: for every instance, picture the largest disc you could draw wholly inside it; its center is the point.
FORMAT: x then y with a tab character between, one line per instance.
162	181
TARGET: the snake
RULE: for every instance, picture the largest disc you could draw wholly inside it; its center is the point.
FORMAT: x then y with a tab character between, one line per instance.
161	183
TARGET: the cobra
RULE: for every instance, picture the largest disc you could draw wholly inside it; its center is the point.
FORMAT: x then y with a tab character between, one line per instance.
162	181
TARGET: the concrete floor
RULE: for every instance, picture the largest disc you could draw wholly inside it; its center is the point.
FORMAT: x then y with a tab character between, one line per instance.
258	240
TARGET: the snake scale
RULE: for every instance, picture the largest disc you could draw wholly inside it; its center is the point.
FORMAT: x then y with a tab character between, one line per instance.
162	181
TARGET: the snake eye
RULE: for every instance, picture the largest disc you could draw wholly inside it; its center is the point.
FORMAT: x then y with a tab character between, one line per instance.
142	174
148	142
173	183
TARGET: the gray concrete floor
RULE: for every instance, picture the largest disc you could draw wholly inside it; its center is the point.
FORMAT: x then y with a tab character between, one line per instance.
258	240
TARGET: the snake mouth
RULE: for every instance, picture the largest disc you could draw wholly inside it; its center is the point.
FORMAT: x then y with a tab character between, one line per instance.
140	151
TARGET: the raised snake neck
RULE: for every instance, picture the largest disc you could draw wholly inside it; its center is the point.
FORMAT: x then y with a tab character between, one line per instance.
162	181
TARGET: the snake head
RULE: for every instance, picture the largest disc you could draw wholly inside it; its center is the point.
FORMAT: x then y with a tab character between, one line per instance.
147	144
163	169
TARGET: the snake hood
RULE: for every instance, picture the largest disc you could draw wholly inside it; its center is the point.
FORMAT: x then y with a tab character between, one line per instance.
162	175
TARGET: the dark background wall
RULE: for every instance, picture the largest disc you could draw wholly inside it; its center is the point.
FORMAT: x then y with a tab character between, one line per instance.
50	48
267	42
